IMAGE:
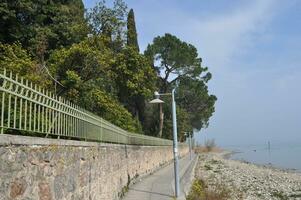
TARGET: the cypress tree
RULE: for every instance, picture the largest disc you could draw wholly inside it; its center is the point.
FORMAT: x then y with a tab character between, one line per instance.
132	33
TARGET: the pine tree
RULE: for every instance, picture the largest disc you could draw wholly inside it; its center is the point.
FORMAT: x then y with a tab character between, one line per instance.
132	33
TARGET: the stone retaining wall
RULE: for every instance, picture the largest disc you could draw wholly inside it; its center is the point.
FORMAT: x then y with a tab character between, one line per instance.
48	169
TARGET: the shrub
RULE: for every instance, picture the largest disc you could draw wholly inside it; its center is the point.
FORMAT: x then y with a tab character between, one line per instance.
200	191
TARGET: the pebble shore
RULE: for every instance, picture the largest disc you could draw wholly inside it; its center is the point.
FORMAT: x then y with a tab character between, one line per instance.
248	181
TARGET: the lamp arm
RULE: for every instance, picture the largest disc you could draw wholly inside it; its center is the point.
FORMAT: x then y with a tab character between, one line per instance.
165	94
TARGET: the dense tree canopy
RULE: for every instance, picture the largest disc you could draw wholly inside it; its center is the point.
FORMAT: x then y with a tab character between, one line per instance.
42	26
17	60
135	80
174	59
110	22
193	96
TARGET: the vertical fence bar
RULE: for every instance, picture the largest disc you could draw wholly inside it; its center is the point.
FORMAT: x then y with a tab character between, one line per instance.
78	131
46	112
2	113
70	124
21	106
26	102
35	109
53	117
42	110
55	126
30	107
2	107
59	117
9	100
73	127
15	105
64	118
79	128
39	109
50	115
85	126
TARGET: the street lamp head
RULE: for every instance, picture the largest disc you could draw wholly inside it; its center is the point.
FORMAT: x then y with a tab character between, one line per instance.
154	101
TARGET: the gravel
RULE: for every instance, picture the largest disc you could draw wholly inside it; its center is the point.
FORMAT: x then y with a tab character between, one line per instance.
247	181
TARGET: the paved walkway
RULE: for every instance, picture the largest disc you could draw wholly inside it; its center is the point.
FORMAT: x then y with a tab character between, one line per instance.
160	185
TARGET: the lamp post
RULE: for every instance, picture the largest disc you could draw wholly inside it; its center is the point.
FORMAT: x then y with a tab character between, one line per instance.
189	136
175	136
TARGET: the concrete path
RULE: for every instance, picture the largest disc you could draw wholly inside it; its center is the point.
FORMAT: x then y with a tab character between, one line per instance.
160	185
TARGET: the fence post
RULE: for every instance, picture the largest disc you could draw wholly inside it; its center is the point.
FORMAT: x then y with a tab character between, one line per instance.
2	113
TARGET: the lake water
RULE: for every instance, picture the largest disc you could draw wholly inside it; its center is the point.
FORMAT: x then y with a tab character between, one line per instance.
287	156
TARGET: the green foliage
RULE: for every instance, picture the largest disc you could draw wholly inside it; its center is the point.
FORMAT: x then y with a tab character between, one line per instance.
109	22
132	39
135	80
200	191
18	61
42	25
183	121
184	124
87	59
174	57
86	70
102	104
135	76
193	96
151	119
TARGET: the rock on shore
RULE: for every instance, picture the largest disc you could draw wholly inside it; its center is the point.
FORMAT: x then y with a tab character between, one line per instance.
247	181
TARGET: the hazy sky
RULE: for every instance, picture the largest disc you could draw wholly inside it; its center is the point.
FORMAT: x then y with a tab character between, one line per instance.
252	48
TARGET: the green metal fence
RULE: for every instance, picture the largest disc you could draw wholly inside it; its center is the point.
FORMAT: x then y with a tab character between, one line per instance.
29	108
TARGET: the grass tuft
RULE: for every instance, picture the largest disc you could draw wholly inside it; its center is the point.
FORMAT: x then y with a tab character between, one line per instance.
200	191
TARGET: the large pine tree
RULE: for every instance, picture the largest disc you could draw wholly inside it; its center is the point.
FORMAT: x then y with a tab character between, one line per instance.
132	39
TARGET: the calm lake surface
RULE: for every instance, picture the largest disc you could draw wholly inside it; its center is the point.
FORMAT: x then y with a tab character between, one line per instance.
287	156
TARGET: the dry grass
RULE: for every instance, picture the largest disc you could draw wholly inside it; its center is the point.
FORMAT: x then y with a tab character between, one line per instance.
200	191
203	149
209	146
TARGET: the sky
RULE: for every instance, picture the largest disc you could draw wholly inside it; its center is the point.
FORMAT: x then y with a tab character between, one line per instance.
253	50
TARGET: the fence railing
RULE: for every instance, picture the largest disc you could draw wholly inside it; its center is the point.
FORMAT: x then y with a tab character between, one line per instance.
29	108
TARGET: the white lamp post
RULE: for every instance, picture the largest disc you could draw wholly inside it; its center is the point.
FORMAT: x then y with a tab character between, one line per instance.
189	136
175	136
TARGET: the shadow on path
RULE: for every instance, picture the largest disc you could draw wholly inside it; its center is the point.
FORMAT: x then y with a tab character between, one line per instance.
150	192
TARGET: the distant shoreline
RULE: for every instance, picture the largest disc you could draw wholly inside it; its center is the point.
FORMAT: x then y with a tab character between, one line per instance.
227	154
248	180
